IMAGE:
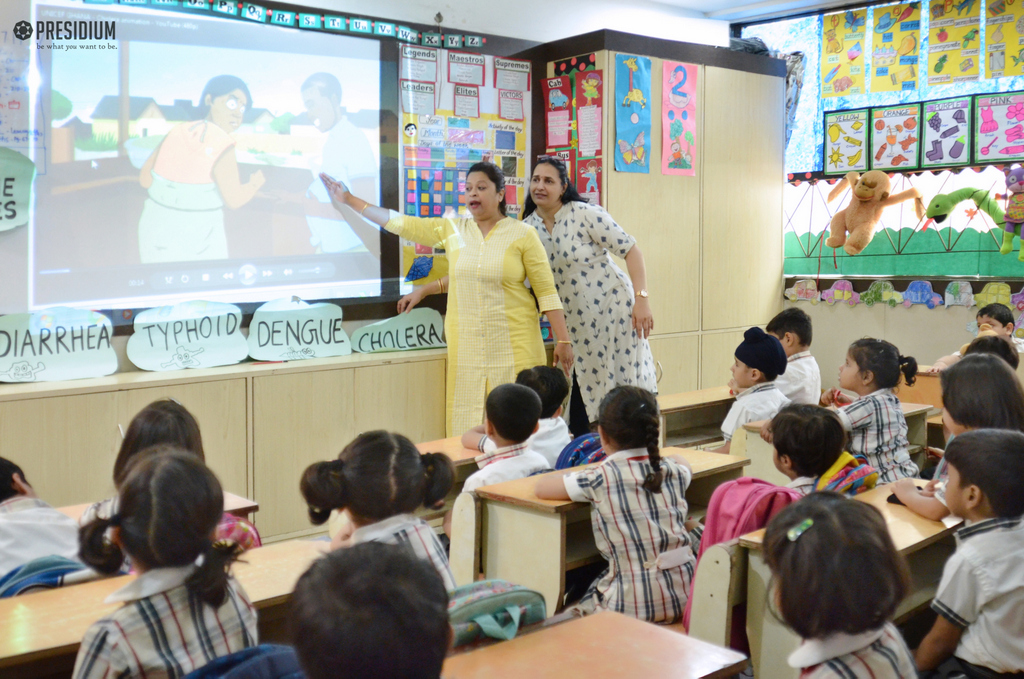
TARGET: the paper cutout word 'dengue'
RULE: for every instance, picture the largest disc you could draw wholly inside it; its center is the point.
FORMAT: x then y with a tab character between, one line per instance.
418	329
188	335
55	344
290	329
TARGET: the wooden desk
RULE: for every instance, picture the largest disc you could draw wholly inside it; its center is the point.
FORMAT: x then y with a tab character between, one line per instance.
598	646
42	631
747	442
925	543
233	504
936	436
453	448
926	389
557	535
694	418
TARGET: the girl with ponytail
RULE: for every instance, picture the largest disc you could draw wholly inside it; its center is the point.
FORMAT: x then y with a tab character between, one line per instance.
638	512
377	482
874	421
184	609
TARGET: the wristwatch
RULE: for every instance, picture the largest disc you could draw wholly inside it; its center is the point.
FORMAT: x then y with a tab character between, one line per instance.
642	293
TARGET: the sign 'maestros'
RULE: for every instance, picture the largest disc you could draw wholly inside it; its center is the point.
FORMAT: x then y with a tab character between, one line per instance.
55	344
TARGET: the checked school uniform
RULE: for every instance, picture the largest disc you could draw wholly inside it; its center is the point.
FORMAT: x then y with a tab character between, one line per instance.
164	630
878	434
642	535
413	532
982	593
878	654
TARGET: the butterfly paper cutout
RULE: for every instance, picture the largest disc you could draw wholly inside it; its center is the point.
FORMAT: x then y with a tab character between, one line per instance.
633	153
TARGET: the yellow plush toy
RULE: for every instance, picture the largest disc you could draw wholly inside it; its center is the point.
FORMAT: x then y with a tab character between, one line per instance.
870	196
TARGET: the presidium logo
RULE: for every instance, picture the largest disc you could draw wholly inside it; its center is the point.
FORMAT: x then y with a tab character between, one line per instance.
66	30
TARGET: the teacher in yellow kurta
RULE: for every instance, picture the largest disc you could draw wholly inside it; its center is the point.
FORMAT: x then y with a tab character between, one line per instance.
492	325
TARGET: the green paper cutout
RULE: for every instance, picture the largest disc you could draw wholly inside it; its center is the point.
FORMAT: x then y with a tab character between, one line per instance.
291	330
55	344
418	329
17	174
187	335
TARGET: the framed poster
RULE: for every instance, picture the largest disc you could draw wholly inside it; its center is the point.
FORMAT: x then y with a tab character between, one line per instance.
895	137
999	127
946	133
846	141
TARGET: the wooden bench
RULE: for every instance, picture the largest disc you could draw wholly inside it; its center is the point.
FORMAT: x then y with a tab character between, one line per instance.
747	442
41	632
694	418
233	504
507	532
926	545
598	646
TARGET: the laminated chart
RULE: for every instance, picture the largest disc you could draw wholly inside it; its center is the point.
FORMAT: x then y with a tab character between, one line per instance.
1004	27
954	39
999	128
842	53
896	42
895	137
846	141
946	133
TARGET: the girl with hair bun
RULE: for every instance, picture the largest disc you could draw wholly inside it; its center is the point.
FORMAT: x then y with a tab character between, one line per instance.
638	512
184	609
378	481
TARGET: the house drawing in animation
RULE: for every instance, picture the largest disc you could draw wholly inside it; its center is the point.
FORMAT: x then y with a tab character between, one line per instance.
148	118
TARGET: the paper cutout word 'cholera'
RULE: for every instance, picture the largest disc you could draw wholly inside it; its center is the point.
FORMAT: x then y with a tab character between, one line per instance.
418	329
290	329
55	344
188	335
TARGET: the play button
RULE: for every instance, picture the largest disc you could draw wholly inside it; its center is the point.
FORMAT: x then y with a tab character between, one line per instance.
248	274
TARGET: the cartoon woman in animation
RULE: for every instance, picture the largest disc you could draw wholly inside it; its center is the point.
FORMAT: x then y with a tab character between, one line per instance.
192	175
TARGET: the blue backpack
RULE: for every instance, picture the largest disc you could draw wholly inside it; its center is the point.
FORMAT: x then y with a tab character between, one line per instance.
580	451
492	608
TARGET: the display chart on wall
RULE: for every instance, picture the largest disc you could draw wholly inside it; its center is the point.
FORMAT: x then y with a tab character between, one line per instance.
895	47
846	146
894	137
842	59
999	128
954	41
946	133
574	101
458	108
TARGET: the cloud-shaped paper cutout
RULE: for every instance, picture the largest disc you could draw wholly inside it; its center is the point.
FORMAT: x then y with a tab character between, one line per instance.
55	344
290	330
188	335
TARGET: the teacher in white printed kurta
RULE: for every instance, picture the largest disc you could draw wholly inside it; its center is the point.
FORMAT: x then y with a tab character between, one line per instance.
607	312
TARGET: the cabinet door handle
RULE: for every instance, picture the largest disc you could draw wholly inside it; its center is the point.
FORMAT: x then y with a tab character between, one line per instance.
121	429
659	372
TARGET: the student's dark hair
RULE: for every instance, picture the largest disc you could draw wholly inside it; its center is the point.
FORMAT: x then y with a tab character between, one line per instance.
629	417
791	320
496	176
513	409
161	422
218	86
838	571
982	392
997	312
884	361
367	611
992	460
168	508
7	471
326	83
378	475
812	438
569	195
549	383
998	345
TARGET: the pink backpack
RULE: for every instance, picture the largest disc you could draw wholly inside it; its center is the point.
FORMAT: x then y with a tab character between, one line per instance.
739	507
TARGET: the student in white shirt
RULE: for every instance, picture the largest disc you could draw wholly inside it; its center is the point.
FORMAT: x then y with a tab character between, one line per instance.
377	482
759	360
29	527
999	321
980	598
801	383
552	434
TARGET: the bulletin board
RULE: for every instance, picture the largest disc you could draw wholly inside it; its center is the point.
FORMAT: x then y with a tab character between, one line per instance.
574	100
458	108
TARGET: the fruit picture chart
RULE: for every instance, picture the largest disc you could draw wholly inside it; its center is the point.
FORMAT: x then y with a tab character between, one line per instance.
846	140
999	125
842	53
895	45
895	137
1004	27
954	37
946	132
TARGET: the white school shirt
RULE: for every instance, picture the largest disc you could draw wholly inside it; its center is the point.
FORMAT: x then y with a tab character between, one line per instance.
803	484
801	383
877	654
982	593
31	529
413	532
506	464
549	440
759	402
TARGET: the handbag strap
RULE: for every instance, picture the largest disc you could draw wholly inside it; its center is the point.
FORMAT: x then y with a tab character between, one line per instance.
494	630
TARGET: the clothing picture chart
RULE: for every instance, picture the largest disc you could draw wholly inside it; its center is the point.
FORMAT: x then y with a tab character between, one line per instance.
480	110
999	127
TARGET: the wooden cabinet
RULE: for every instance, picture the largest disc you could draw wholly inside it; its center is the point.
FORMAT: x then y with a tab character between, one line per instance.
678	357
